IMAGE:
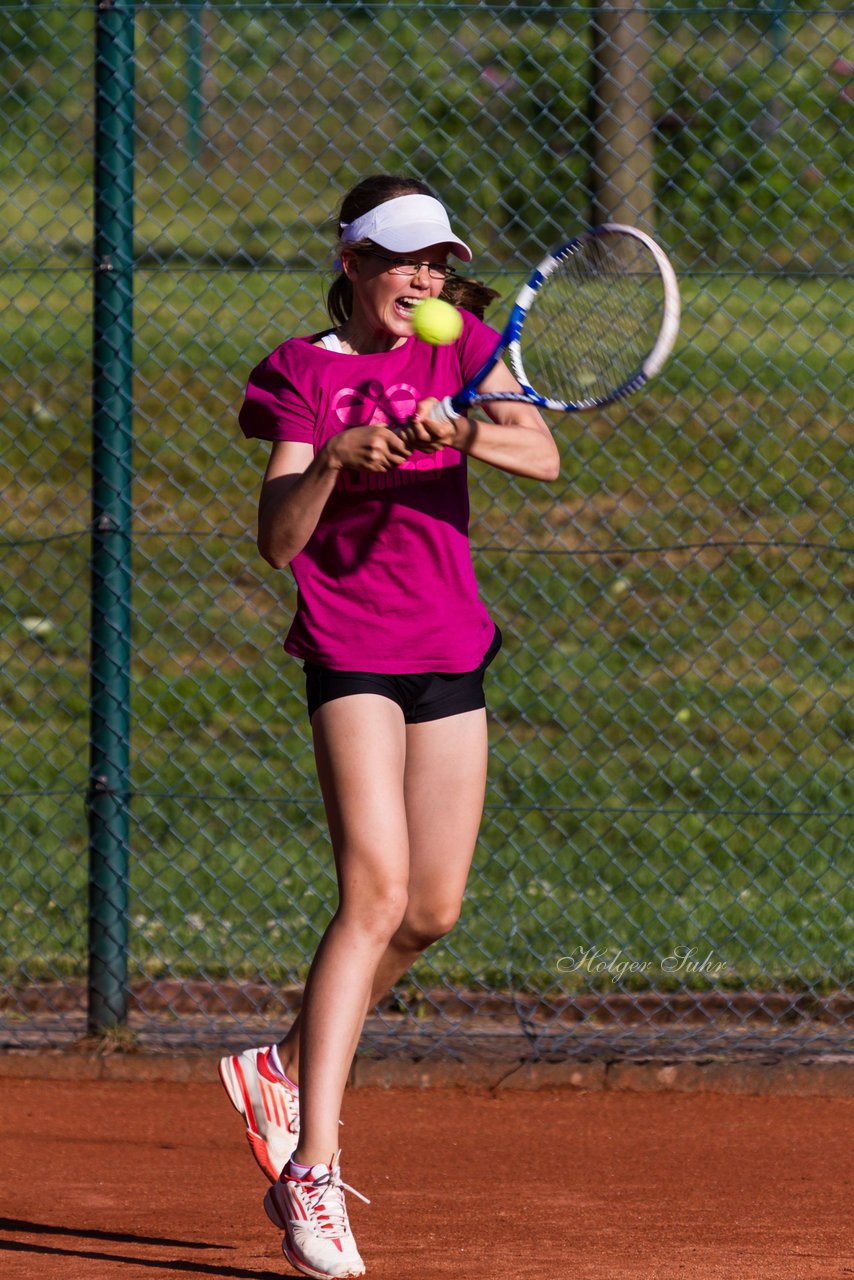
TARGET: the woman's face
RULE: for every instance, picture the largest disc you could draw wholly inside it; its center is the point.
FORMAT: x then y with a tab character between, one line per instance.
384	299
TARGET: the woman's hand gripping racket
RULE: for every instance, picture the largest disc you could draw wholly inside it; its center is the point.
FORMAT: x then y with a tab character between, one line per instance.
598	318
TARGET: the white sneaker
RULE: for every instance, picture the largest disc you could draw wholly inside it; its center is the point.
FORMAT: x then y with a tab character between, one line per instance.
270	1108
312	1213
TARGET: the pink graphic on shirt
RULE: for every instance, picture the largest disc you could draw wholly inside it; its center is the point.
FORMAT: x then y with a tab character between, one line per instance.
372	402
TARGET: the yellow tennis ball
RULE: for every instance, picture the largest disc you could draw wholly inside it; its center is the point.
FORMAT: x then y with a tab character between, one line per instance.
437	322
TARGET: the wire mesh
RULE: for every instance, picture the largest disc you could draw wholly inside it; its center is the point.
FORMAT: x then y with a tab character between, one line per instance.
665	857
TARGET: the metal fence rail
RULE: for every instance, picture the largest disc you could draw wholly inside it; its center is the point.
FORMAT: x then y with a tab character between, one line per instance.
665	859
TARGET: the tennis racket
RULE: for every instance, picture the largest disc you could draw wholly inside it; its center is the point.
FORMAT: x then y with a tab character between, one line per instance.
595	321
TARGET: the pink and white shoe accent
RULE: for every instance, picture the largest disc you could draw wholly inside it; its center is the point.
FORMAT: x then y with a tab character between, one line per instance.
269	1106
312	1213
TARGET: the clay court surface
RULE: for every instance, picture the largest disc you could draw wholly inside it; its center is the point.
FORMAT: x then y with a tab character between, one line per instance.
118	1181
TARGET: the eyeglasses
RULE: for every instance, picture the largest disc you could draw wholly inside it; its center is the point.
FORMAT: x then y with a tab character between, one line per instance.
409	267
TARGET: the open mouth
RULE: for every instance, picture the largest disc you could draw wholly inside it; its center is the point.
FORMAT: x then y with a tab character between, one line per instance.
406	306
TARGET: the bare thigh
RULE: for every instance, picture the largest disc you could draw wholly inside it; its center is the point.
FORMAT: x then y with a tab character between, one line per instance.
444	786
360	749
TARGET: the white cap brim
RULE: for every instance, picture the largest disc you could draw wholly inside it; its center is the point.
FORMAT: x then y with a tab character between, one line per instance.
407	224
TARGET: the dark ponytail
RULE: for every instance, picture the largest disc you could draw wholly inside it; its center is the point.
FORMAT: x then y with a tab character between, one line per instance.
461	291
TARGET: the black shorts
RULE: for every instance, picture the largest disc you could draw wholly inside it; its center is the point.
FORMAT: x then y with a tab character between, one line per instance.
426	695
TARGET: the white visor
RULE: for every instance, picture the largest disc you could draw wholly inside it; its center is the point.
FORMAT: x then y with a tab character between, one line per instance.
406	224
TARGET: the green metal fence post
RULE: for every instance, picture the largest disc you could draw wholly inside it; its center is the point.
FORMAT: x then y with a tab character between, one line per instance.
112	404
777	27
195	78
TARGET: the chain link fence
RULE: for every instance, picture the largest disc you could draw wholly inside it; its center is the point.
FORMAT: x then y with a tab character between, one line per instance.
665	858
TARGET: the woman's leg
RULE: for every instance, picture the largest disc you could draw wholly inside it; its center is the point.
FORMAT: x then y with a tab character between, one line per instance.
444	780
360	749
444	786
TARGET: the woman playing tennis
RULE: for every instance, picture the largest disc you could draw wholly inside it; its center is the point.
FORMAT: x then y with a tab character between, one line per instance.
365	499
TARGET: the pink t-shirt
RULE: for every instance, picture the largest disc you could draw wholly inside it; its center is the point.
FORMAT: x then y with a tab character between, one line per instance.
386	582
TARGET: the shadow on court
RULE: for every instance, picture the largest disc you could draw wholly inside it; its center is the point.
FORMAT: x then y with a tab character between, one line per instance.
166	1266
121	1237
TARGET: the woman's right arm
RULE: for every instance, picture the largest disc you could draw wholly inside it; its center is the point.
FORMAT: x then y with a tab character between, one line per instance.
298	482
294	491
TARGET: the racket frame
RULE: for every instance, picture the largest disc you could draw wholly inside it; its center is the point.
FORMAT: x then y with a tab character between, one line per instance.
510	340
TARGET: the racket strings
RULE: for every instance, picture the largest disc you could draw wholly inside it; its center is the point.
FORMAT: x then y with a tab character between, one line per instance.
594	320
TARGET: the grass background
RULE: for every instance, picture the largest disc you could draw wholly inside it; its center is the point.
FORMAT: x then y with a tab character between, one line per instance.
671	715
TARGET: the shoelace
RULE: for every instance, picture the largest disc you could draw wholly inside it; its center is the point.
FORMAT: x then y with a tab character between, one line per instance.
326	1196
293	1127
293	1121
291	1111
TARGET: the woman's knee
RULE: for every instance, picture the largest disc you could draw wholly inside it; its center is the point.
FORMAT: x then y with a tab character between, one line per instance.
425	923
377	913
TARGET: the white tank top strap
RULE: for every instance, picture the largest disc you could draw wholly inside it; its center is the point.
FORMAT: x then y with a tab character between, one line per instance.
331	342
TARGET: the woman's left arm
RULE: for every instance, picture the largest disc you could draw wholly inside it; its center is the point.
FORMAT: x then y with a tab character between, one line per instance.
517	439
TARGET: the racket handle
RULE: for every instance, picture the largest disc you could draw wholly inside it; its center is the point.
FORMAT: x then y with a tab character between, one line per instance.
445	411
